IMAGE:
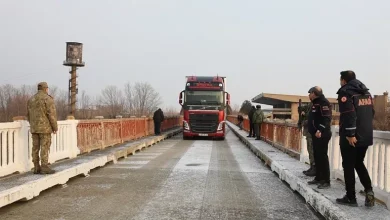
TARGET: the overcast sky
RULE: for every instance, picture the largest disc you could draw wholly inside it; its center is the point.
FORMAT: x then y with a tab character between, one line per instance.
260	46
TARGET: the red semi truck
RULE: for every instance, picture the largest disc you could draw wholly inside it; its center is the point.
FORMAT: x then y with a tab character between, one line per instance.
204	103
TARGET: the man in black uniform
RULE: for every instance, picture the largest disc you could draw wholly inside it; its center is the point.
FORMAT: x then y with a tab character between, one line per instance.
251	125
158	118
319	122
356	134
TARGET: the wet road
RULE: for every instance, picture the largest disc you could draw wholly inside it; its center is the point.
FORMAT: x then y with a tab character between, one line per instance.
175	179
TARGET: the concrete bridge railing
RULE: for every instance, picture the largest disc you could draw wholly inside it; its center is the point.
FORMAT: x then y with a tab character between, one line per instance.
74	137
287	137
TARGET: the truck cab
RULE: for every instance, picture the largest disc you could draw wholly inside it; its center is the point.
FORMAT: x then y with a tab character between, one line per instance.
204	103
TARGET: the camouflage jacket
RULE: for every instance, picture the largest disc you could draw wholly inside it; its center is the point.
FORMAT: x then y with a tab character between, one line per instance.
258	116
41	113
303	121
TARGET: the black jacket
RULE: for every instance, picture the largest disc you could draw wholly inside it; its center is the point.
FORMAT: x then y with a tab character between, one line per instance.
158	116
320	116
356	112
250	114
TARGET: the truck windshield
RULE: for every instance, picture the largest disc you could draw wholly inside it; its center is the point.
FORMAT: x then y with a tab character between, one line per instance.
204	97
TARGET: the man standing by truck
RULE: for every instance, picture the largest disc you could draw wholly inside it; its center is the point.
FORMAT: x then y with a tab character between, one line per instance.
158	118
258	118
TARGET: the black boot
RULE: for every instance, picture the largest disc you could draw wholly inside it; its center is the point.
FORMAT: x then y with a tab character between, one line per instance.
311	171
325	185
305	171
347	201
312	182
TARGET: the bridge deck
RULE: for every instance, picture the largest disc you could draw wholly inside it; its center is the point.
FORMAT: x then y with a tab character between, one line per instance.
174	179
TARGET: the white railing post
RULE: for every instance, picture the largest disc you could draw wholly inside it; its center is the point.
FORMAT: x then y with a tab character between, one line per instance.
381	168
24	148
304	152
374	176
334	152
387	167
73	138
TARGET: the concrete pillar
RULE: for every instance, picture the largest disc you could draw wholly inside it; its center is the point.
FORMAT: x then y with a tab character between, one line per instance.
294	112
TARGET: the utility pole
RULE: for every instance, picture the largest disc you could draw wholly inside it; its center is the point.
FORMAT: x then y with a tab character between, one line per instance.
74	59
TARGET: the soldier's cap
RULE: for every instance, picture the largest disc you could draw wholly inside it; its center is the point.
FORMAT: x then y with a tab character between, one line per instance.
43	85
258	106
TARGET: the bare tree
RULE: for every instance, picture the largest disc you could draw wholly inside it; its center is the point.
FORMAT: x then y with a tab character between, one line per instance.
235	109
61	101
170	111
6	96
129	105
13	101
85	106
18	102
62	106
145	98
246	107
112	101
140	99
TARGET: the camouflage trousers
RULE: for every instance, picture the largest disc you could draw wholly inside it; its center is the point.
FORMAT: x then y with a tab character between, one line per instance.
309	142
41	142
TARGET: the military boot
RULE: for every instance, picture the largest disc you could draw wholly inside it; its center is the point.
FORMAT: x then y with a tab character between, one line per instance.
370	199
311	171
46	170
305	171
347	201
37	168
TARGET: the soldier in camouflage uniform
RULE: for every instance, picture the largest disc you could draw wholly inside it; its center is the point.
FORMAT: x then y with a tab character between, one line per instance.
41	113
258	118
303	123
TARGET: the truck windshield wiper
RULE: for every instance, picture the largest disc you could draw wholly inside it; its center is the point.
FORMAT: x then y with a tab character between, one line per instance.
213	102
203	102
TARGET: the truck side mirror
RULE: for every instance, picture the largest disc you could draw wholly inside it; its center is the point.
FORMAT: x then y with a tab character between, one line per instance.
227	99
181	98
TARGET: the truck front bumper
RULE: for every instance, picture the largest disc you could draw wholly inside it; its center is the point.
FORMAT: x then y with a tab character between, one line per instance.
187	133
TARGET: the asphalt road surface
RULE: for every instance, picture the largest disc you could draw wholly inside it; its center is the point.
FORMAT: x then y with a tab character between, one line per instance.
175	179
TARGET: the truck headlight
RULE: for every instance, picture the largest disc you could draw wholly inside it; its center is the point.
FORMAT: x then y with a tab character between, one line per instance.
220	126
186	126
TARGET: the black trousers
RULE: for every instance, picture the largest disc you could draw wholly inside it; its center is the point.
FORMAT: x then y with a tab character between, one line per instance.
157	127
320	148
353	159
251	129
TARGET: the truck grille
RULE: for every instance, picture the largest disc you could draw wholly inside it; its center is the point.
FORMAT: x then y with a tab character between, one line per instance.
204	123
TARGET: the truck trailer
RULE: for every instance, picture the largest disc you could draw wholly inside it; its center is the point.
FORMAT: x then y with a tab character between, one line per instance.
204	104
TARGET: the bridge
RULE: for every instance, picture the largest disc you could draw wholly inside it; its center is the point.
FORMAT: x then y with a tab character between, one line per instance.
117	169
